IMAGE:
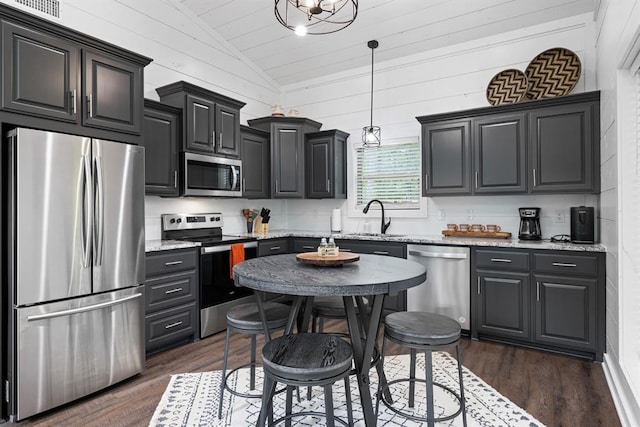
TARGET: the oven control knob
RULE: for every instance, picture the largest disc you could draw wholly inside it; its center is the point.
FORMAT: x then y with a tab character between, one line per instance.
217	218
179	220
172	221
213	218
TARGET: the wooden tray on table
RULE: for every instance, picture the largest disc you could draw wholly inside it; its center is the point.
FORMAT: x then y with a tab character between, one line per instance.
494	234
327	261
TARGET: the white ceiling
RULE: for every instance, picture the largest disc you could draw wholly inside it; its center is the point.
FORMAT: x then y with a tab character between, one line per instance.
402	27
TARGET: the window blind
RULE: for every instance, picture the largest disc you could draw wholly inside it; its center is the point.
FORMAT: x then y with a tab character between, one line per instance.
390	173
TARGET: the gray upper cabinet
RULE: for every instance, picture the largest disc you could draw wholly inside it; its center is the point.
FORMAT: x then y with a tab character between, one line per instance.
27	51
54	73
113	93
326	164
211	121
562	152
255	163
545	146
287	152
499	154
162	135
446	158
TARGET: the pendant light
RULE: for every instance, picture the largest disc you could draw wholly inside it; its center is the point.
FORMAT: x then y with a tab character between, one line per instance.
316	16
371	133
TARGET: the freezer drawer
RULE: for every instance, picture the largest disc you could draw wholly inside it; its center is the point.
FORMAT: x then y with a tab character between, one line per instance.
72	348
447	289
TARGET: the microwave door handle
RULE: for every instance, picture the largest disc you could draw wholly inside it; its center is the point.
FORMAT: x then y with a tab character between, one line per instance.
234	174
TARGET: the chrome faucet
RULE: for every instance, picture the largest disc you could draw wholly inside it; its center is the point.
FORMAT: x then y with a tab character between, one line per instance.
383	225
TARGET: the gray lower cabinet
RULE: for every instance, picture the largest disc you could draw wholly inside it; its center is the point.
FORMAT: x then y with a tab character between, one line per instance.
273	247
161	139
553	300
171	306
326	164
256	177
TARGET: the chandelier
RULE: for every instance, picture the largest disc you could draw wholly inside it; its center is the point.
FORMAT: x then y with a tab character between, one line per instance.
371	133
316	16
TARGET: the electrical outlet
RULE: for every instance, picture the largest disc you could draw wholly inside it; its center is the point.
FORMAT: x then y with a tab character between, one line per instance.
469	213
442	214
558	216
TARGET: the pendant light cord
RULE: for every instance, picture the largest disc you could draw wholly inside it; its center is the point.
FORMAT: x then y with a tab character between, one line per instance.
372	86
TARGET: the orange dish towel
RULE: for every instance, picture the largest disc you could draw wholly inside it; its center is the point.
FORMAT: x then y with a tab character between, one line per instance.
236	256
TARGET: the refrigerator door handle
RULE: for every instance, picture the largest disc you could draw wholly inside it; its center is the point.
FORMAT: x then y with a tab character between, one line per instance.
99	210
87	218
82	309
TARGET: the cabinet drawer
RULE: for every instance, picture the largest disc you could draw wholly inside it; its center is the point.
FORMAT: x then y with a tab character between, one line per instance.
170	261
305	245
394	249
170	291
273	247
170	327
566	264
510	260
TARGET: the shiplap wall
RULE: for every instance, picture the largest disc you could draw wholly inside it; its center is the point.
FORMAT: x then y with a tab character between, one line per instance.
618	28
448	79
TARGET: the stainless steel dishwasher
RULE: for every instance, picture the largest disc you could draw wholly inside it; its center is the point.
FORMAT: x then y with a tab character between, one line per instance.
447	289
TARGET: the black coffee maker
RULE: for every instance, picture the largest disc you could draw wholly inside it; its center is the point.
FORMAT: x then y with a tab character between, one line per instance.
529	224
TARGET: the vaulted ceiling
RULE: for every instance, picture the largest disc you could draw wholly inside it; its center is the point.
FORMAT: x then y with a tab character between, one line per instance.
403	27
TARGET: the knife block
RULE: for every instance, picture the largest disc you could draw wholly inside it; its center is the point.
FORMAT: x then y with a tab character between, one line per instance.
257	225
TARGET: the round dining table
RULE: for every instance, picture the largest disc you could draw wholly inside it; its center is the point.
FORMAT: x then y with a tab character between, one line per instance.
362	284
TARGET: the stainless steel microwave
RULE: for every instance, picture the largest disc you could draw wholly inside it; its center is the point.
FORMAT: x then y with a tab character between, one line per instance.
211	176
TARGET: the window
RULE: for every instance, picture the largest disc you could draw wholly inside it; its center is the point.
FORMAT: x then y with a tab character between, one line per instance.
390	173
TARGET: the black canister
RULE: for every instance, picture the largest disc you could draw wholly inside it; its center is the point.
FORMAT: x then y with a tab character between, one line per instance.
582	224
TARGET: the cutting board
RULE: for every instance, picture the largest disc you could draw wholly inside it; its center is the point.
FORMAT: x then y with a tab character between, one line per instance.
493	235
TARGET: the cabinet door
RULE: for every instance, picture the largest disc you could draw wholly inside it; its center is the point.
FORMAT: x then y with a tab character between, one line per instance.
565	311
113	93
200	122
161	136
40	74
227	128
319	167
499	154
502	304
287	154
446	158
255	166
561	149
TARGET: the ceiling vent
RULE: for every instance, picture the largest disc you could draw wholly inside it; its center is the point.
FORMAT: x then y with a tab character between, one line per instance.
48	8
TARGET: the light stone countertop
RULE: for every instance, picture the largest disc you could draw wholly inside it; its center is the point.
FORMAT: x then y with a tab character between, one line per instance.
160	245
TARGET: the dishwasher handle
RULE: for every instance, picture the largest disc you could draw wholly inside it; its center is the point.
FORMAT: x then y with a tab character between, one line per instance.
447	255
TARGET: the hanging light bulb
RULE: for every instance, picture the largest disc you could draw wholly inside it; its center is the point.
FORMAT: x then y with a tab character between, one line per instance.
316	16
371	133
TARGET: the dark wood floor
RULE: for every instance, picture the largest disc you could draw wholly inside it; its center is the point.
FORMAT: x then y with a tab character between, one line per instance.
558	390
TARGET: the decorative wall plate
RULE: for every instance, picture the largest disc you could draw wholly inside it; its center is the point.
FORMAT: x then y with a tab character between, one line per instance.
507	87
552	73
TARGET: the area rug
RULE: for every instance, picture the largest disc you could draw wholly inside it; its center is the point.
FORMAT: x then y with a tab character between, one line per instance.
192	399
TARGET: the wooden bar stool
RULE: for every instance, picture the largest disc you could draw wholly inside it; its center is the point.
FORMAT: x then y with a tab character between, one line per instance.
245	319
306	360
428	332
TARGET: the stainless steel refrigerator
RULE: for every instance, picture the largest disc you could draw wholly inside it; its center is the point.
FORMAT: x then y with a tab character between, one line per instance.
76	267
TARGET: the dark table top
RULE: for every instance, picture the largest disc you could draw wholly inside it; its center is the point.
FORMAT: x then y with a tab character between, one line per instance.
371	275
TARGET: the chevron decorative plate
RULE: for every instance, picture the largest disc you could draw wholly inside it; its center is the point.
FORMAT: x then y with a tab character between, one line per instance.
552	73
507	87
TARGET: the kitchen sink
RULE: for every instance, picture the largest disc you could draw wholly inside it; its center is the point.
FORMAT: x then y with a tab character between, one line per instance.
375	234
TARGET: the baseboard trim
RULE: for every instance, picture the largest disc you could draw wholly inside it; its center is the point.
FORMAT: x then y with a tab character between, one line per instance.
626	405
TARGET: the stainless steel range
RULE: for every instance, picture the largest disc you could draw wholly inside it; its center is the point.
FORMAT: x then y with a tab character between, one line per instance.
218	294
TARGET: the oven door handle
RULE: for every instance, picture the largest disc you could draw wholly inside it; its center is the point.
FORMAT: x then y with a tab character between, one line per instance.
226	248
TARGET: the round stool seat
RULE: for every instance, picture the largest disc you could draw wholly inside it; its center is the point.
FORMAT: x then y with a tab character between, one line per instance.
247	316
422	328
312	357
